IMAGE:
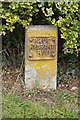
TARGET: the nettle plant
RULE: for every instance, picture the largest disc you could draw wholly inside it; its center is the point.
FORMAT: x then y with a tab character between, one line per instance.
65	15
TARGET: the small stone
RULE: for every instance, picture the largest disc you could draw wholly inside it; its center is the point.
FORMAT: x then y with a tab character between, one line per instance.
29	96
73	88
67	85
59	85
45	100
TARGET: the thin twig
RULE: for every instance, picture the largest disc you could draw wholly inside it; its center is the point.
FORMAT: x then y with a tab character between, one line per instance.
4	51
17	77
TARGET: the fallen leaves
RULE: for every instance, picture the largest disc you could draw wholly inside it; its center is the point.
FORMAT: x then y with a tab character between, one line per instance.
9	77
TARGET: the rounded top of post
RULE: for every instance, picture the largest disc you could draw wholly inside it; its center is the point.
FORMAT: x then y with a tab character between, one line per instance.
41	27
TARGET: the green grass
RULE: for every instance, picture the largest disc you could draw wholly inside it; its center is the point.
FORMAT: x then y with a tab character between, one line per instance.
15	107
66	103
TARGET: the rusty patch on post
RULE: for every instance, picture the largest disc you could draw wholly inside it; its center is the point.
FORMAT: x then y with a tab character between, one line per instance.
41	48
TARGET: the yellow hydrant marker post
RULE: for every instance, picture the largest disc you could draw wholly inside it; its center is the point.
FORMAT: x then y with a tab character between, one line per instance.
41	56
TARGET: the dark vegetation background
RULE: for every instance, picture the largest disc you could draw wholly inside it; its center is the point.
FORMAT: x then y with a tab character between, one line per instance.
68	65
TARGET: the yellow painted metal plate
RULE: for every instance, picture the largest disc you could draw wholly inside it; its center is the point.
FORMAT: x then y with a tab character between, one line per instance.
41	48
